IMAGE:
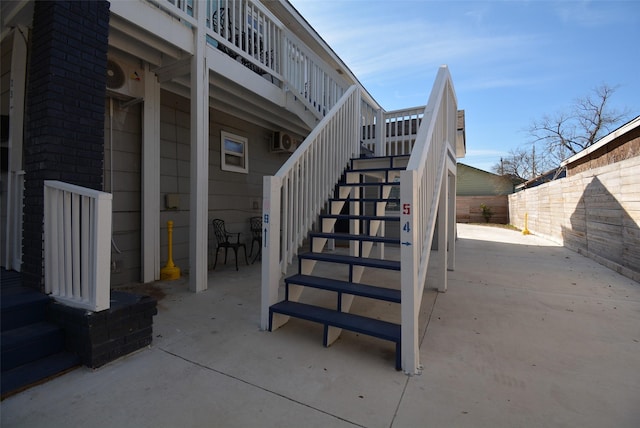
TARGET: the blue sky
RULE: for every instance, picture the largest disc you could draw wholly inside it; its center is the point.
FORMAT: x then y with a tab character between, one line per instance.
511	61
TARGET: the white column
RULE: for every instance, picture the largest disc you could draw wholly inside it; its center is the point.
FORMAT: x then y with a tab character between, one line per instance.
443	220
199	192
13	204
151	178
381	134
451	232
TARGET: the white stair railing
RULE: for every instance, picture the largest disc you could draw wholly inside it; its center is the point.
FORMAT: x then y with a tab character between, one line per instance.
423	193
293	198
77	245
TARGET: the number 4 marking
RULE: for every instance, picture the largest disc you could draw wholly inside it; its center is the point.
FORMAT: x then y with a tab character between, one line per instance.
406	227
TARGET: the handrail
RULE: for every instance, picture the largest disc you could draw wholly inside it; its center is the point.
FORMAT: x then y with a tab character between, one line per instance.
77	245
294	196
420	190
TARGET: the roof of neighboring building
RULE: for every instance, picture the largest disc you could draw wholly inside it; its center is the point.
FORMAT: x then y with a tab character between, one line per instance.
627	127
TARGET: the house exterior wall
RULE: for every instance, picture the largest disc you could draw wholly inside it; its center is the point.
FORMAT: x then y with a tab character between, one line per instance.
123	175
596	213
475	182
233	197
64	111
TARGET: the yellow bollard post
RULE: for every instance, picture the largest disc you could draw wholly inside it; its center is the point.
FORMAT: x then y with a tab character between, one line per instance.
525	231
170	271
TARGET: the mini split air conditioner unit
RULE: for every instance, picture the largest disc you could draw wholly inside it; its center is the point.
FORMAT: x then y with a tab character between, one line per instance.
283	142
124	80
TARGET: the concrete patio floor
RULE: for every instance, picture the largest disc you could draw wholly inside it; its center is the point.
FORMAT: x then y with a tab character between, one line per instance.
529	334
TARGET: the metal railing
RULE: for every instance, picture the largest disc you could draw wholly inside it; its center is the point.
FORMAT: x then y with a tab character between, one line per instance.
294	196
77	245
420	201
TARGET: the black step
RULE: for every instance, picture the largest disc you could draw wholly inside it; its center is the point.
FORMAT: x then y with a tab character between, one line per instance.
387	200
364	290
25	375
390	158
29	343
22	306
395	168
351	260
370	184
352	237
361	217
352	322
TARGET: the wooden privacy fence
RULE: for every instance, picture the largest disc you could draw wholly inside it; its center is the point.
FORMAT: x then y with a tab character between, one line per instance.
596	213
468	209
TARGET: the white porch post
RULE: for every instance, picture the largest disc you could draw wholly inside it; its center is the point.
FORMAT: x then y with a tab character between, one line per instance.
199	177
151	178
381	135
13	204
451	233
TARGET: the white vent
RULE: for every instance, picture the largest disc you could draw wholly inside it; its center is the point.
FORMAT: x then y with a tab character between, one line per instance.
283	142
124	79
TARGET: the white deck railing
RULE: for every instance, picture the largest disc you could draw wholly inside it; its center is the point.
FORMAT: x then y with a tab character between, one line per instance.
294	196
77	245
401	130
420	198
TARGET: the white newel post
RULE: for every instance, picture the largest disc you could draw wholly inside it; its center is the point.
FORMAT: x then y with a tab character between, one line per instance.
409	274
271	270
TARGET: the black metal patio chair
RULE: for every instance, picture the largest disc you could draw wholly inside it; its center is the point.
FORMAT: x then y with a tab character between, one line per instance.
255	224
224	241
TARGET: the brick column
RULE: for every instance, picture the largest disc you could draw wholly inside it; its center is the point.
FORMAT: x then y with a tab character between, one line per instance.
65	108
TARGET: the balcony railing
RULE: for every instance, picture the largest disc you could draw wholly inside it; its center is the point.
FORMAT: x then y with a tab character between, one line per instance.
77	245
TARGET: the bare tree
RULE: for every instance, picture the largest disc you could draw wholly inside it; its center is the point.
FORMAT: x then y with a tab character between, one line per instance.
567	133
522	162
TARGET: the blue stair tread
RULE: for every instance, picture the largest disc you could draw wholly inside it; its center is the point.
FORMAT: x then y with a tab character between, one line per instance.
379	169
357	289
23	296
352	237
352	260
28	374
352	322
382	157
365	200
361	217
371	184
31	332
30	343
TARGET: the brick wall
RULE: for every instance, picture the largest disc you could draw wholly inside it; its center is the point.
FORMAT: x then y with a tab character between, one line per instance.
64	110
